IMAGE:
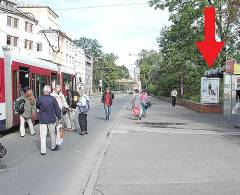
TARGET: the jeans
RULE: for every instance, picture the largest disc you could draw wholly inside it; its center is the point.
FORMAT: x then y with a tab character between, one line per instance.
107	111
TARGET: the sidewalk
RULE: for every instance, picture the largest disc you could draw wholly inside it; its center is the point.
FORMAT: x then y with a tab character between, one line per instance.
174	151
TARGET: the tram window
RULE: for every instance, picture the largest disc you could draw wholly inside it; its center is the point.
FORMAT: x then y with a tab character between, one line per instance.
24	77
67	80
41	81
54	81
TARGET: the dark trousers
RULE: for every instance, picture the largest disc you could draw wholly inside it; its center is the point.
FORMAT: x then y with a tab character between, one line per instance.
82	119
173	101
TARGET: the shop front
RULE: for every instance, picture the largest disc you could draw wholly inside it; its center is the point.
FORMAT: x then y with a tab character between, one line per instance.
232	93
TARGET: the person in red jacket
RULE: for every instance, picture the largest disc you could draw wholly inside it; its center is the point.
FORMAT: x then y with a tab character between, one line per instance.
107	99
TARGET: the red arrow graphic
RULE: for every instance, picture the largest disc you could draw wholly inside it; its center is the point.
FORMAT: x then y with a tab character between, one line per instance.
209	48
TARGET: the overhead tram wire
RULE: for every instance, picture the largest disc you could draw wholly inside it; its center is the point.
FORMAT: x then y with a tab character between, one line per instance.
103	6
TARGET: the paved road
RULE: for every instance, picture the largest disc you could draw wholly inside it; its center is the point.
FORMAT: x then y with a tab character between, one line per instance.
25	172
174	151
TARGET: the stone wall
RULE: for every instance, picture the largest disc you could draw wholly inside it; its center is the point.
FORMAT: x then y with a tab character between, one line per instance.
204	108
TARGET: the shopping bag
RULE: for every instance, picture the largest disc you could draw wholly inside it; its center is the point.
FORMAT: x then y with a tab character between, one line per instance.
60	134
136	111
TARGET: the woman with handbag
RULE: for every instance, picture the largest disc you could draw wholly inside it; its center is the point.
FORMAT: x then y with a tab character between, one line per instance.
136	105
83	106
29	112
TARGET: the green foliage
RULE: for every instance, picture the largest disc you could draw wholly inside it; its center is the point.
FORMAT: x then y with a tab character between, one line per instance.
179	63
104	64
90	46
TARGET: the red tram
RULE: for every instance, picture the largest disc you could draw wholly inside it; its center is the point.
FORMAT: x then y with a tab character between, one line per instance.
18	72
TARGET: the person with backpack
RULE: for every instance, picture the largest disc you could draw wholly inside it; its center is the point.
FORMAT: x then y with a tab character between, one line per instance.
83	106
72	100
144	102
107	100
26	108
49	116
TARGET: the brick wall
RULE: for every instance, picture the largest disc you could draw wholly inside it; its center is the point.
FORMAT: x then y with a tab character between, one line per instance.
204	108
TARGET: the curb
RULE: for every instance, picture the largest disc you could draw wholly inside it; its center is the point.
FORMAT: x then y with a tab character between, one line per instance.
89	187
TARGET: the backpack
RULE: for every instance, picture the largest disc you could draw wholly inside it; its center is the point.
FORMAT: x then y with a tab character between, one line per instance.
75	100
84	109
19	105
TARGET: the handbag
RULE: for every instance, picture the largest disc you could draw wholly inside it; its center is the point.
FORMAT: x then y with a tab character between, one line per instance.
3	151
34	116
64	110
60	134
136	111
61	131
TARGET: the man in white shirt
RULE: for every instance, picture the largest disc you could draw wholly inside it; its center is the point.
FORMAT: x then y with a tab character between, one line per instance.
62	105
174	94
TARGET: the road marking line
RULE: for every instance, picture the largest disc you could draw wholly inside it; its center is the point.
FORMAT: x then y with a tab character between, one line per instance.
178	131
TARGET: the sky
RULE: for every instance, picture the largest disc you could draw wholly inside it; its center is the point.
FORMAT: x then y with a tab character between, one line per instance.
122	30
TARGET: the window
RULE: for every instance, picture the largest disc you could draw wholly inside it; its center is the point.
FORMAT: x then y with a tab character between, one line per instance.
9	21
28	44
28	27
12	22
39	46
15	22
15	41
8	40
12	41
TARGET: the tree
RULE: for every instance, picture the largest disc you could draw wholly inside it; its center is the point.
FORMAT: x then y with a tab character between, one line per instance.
90	46
109	71
183	65
104	64
187	18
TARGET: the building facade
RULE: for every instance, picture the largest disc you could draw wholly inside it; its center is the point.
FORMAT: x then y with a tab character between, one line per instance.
34	31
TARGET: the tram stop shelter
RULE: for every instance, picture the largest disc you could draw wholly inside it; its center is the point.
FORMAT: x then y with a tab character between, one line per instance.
232	92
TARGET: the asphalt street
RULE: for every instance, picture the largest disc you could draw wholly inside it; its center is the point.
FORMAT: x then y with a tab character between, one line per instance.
25	172
174	151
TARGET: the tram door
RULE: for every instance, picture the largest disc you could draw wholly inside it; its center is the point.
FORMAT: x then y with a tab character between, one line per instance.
38	83
24	80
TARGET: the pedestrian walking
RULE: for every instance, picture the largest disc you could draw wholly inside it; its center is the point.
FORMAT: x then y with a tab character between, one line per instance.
48	114
83	106
26	107
144	102
174	94
136	104
107	100
72	100
62	103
